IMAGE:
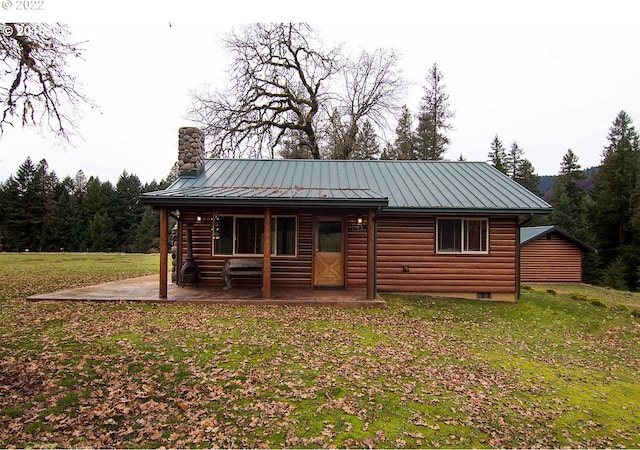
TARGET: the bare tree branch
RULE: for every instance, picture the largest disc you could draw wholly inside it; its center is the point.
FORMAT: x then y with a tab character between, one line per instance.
35	85
283	92
374	89
278	75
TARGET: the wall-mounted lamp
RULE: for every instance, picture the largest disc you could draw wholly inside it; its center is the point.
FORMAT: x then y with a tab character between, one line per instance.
359	225
216	227
198	218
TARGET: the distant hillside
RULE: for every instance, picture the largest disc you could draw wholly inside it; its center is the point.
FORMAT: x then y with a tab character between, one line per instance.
546	182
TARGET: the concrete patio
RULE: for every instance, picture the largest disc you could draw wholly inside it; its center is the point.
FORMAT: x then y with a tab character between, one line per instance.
145	289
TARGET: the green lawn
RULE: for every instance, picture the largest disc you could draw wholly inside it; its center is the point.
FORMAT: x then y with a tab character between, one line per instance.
556	369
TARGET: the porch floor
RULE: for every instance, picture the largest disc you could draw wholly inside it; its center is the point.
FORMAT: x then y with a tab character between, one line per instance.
145	289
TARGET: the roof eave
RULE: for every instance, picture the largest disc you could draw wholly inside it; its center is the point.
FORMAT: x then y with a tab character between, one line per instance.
243	202
459	210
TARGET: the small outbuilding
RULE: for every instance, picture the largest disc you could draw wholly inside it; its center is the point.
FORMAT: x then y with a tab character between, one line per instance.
549	254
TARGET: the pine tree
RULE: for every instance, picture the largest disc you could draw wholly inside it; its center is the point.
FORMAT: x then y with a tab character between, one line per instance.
28	200
388	152
294	146
148	231
127	202
404	146
366	146
615	187
336	137
433	118
59	233
513	161
498	155
526	176
100	236
569	198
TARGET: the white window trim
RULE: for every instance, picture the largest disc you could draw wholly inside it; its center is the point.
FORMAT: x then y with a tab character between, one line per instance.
274	235
462	237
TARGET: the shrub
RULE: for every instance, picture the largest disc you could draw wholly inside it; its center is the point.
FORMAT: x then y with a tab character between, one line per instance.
614	275
578	296
620	307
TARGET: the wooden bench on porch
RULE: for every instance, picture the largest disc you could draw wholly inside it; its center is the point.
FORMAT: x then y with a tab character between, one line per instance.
240	267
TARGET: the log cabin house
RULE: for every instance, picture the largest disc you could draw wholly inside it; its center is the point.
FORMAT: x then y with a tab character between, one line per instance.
437	228
549	254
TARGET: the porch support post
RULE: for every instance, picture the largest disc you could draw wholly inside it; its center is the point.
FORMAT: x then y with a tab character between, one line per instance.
371	256
164	250
266	262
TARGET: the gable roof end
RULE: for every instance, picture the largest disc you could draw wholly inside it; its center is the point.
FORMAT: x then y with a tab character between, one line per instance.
529	234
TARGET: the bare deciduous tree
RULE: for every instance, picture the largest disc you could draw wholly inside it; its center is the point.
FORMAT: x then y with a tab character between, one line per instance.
283	85
35	85
374	89
278	76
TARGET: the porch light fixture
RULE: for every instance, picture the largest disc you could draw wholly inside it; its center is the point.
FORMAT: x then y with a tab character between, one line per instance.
359	226
216	227
198	218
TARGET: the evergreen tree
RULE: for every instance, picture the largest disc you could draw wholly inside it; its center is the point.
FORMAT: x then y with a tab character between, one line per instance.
294	146
498	155
59	232
526	176
404	146
388	152
148	232
127	203
433	118
100	236
98	198
337	146
27	203
615	187
513	161
366	146
569	198
517	167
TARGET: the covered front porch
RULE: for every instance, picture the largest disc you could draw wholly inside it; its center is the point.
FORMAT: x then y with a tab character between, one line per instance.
319	248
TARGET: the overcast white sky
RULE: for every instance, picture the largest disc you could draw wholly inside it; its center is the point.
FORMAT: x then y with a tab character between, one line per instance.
551	75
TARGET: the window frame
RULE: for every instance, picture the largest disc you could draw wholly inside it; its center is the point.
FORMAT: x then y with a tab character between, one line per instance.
274	235
463	240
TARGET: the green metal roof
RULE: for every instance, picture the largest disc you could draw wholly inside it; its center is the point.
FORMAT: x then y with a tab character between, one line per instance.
528	234
427	186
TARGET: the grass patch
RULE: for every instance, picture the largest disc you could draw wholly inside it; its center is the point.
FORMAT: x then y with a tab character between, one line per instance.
551	370
25	274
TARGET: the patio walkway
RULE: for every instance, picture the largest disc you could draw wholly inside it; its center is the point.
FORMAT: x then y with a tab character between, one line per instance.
145	289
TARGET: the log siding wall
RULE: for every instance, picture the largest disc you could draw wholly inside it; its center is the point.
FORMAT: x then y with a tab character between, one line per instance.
406	259
552	260
408	263
289	271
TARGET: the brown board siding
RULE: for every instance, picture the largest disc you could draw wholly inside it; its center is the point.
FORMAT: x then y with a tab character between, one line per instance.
356	254
286	271
407	259
550	260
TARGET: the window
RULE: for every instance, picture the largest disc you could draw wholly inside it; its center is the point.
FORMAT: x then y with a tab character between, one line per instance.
242	235
462	235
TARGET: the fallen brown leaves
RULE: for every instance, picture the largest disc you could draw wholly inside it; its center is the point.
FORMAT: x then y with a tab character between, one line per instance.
122	375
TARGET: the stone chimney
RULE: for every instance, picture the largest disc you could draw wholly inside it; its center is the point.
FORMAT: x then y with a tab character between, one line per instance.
190	151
